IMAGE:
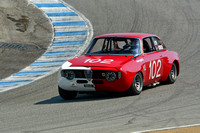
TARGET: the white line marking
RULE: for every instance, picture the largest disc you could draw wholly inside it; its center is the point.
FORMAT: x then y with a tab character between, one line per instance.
66	28
69	38
61	9
168	128
67	18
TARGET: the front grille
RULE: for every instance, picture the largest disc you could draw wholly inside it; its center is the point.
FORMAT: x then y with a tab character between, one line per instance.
79	74
96	74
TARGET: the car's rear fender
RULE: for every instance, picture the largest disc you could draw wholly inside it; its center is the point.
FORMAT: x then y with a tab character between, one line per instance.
171	57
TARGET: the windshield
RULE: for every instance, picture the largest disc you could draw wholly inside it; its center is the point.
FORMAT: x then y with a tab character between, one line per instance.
115	45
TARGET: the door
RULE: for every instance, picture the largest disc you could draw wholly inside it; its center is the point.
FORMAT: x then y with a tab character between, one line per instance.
153	61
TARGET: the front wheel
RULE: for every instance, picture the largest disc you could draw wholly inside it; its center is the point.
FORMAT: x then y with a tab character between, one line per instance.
67	95
137	85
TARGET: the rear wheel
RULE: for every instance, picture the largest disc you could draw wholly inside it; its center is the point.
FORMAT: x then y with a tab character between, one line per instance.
172	75
67	95
137	85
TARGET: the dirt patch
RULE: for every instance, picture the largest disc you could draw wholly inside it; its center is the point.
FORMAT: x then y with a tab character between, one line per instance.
21	23
194	129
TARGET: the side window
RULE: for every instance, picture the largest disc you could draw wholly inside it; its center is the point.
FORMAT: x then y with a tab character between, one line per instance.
159	45
147	45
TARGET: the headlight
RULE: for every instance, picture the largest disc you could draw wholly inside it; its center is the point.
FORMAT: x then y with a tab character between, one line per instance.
111	76
69	75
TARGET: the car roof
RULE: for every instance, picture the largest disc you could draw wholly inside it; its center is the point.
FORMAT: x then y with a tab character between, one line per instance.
135	35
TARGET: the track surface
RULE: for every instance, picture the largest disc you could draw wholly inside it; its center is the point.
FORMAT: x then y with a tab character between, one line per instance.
38	108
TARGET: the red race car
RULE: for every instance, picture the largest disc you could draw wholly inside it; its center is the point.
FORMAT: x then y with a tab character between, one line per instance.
119	62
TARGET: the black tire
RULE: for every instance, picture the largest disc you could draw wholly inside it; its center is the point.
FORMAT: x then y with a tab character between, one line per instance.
137	85
172	74
67	95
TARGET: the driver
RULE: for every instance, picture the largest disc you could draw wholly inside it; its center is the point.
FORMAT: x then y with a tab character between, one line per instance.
134	47
116	47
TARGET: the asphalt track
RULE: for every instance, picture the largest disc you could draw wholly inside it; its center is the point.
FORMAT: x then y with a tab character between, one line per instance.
38	108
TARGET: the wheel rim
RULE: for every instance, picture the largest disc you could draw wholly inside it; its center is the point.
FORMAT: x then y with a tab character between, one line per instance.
138	83
173	72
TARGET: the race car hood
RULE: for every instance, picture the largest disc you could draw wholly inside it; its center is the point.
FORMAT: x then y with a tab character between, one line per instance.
115	61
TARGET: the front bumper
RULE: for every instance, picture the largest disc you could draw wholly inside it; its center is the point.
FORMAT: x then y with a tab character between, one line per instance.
83	84
76	84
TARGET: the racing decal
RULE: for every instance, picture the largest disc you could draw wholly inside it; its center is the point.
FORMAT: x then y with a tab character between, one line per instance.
67	65
141	60
155	67
144	67
160	47
105	61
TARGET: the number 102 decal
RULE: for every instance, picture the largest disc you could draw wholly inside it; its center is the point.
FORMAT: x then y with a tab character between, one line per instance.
155	67
106	61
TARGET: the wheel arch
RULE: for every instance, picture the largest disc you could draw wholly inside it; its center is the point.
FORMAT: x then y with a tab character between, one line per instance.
141	74
178	66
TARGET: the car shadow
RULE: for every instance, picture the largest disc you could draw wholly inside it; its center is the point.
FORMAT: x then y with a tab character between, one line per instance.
80	98
146	88
92	97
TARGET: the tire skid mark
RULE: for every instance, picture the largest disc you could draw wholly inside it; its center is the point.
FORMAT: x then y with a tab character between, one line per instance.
72	33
